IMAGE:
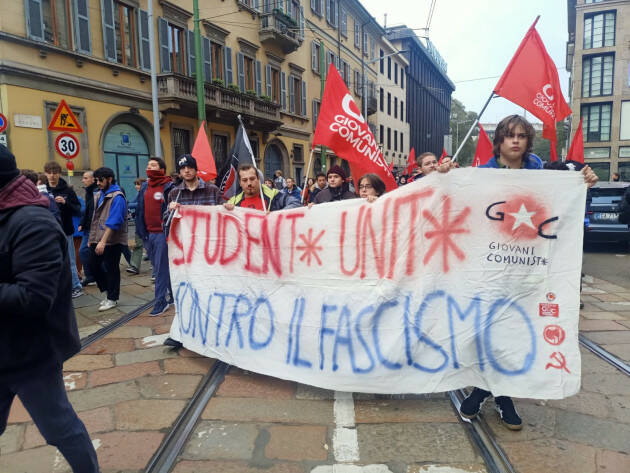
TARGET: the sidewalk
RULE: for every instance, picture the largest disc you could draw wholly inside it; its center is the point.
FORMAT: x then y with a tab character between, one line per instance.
127	388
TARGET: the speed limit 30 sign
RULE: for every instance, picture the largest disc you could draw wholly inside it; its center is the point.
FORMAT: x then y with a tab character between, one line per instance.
67	146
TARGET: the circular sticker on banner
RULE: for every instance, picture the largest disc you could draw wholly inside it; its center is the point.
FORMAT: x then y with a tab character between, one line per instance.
67	146
3	123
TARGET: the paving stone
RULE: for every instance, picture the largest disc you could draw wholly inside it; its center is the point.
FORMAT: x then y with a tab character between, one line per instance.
147	414
170	386
188	365
455	468
188	354
151	341
594	364
130	331
148	354
609	338
539	422
297	443
619	350
74	381
620	406
18	413
612	462
608	384
235	467
594	404
126	450
12	438
550	455
608	287
600	315
256	385
416	410
163	328
613	307
593	431
609	297
625	323
35	460
88	329
123	373
412	443
269	410
101	396
145	321
313	393
88	362
221	441
599	325
109	345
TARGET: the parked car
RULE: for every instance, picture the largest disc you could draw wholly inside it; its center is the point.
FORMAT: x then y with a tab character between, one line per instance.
602	214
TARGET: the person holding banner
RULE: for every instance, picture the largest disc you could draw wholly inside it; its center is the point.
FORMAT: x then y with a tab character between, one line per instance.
512	146
192	190
337	187
371	187
249	179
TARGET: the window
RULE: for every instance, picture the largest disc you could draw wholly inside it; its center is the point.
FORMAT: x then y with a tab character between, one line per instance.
599	30
220	149
597	75
395	140
315	52
402	107
57	25
402	145
274	88
176	49
332	12
389	67
602	170
382	62
345	72
249	74
395	73
389	138
217	61
316	7
343	16
316	107
402	78
297	95
382	100
395	107
624	128
372	48
248	63
357	34
332	59
125	28
64	23
365	43
389	103
381	134
597	121
181	141
358	85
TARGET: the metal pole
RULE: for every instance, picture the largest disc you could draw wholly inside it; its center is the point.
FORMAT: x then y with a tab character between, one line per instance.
322	74
472	127
310	161
201	96
154	88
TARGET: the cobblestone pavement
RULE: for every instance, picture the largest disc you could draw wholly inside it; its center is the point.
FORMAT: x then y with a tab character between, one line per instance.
129	389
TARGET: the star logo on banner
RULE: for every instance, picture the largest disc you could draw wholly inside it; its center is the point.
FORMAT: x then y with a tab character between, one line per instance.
310	248
523	217
443	233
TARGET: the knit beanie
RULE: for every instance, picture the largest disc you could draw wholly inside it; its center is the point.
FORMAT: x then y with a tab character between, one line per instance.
337	170
8	167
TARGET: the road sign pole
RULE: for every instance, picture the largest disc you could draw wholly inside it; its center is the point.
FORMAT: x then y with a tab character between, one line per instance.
201	96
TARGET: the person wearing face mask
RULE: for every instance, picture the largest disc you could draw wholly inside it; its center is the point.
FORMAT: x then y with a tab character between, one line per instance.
151	206
337	187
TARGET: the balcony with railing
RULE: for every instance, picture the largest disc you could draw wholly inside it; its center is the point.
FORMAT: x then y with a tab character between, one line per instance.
177	92
281	30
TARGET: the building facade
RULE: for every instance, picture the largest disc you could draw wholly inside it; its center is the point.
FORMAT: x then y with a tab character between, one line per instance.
598	60
391	116
428	91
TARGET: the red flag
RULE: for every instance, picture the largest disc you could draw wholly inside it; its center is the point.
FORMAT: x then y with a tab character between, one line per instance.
576	150
484	149
442	156
341	127
411	162
531	81
203	155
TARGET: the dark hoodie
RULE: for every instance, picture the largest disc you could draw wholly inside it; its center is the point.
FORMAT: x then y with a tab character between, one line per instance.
39	329
70	208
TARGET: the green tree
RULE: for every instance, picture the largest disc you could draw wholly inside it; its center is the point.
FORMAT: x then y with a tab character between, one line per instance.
460	122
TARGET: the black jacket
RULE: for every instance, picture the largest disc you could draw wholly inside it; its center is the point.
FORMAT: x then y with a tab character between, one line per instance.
70	208
86	218
39	328
326	195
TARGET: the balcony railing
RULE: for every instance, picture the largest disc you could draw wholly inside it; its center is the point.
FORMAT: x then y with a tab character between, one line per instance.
276	27
183	89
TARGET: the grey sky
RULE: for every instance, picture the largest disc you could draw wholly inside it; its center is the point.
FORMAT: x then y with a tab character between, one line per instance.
478	39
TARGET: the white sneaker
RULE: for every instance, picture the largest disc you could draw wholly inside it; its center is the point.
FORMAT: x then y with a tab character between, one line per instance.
106	305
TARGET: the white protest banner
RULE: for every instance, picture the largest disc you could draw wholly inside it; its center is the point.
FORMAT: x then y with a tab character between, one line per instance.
465	279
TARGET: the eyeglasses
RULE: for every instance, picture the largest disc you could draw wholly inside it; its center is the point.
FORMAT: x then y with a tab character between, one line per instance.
365	187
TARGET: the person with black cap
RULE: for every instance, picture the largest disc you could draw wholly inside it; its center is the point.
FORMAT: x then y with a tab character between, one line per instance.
192	190
337	187
39	328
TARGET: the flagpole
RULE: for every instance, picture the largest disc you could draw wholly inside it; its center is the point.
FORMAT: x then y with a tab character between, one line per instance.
472	127
308	170
258	174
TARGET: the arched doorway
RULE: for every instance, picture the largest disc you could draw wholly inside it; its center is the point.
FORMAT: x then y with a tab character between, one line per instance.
125	150
273	160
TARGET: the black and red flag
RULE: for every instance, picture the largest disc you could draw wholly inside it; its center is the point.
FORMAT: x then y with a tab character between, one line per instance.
241	153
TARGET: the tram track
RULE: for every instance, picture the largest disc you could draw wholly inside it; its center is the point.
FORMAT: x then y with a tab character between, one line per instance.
604	354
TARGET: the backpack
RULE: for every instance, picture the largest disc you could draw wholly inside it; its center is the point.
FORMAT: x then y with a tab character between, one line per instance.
624	207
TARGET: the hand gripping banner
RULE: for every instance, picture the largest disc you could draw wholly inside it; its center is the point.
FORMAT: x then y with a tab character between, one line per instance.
465	279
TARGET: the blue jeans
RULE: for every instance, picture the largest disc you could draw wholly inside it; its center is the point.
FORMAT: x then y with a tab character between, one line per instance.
76	282
85	255
158	252
44	397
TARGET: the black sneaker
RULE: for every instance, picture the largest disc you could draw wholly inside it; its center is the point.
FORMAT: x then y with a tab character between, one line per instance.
169	342
472	404
88	282
132	270
509	417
